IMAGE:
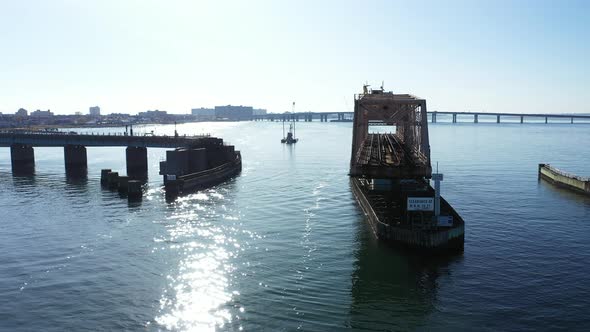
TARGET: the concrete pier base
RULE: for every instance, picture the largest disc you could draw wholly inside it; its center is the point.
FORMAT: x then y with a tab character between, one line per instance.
104	176
134	190
137	164
76	160
113	180
123	184
23	158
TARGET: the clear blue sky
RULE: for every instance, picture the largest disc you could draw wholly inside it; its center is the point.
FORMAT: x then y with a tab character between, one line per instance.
130	56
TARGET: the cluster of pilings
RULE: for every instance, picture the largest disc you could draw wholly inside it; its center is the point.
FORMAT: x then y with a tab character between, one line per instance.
123	184
76	160
76	165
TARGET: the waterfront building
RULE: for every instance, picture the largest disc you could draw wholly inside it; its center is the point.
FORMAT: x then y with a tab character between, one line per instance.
203	113
94	111
41	114
22	112
153	115
235	113
259	111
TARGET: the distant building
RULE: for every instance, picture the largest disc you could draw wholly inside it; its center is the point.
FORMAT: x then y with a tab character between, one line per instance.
203	113
258	111
94	111
152	114
78	113
22	112
41	114
235	113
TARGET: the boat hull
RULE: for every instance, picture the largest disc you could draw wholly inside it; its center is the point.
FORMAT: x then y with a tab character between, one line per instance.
205	179
441	240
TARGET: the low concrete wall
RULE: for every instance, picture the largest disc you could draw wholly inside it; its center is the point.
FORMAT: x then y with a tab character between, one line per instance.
577	183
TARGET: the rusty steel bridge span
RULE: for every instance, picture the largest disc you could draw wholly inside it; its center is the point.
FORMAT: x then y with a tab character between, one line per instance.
403	154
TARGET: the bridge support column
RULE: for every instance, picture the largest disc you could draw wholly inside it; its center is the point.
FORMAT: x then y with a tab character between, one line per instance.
545	119
22	158
497	118
433	118
137	165
475	118
454	117
75	159
572	120
521	119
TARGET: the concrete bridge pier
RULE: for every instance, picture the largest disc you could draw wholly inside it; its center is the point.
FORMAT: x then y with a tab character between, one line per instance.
572	120
137	164
76	159
475	118
434	117
545	119
454	117
497	119
521	119
22	158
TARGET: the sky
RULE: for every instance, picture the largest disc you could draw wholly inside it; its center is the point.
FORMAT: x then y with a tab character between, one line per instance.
130	56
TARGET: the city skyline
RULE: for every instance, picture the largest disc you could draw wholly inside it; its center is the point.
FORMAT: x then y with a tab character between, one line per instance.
134	56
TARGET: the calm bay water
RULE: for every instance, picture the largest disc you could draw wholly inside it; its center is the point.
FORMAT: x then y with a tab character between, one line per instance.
285	247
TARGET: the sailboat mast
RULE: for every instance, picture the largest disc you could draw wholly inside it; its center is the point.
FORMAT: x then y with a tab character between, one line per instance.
293	119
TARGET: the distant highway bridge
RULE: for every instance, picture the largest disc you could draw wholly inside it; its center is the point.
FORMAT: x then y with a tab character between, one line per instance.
347	116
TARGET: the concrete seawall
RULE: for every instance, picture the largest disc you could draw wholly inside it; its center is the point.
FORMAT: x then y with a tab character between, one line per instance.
563	179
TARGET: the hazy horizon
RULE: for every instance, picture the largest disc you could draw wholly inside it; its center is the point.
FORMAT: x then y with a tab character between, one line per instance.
133	56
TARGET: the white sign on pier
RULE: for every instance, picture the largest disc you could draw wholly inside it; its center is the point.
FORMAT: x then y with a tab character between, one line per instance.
420	203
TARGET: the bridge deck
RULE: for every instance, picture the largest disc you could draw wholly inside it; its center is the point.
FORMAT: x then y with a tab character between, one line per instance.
42	139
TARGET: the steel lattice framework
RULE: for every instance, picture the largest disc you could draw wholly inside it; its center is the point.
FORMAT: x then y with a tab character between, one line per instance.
405	154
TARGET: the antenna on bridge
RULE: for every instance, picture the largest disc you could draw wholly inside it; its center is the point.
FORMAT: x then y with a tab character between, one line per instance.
366	87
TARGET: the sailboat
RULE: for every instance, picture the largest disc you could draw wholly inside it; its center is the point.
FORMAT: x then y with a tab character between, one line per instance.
290	138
